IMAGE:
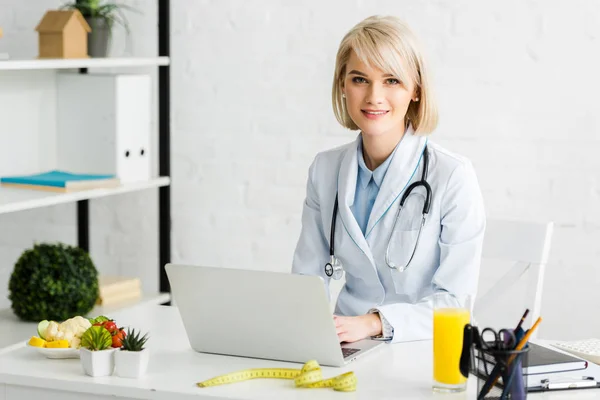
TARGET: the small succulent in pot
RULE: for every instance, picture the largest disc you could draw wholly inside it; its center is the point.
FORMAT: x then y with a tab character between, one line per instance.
96	338
101	16
131	361
133	341
97	353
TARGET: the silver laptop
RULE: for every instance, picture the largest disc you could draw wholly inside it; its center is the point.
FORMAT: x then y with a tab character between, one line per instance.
260	314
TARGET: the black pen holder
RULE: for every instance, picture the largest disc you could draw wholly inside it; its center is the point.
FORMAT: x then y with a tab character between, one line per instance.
500	374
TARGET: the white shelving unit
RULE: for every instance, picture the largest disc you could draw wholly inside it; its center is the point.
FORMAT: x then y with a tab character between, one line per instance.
116	62
13	200
13	330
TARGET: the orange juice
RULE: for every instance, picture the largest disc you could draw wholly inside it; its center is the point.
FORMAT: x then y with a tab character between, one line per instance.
448	330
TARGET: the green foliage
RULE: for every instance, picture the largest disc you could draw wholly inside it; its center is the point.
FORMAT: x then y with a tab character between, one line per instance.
96	338
133	342
100	318
111	12
54	282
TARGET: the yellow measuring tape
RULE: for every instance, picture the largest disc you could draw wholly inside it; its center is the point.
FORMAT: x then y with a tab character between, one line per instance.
309	376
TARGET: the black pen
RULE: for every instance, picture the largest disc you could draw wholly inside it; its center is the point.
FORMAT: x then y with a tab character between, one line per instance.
522	320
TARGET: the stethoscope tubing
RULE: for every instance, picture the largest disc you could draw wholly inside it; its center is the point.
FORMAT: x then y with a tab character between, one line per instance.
334	266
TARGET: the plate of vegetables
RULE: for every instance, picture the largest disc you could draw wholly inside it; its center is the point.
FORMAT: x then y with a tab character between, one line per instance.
63	340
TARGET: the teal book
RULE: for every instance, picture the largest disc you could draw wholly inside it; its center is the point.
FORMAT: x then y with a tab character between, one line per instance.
60	181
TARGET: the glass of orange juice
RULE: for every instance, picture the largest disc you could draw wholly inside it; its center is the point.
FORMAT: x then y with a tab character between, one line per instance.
450	315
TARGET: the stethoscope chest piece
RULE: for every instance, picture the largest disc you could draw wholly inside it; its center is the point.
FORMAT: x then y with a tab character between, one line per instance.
334	269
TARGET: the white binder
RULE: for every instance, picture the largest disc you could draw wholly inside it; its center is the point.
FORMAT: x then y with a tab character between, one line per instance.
104	123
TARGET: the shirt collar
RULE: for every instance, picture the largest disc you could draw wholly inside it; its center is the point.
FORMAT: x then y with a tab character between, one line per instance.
365	174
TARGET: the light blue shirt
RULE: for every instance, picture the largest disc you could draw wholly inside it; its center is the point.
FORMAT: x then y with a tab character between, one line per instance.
368	184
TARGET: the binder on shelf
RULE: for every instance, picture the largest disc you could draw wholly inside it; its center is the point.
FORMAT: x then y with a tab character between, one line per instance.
111	130
60	181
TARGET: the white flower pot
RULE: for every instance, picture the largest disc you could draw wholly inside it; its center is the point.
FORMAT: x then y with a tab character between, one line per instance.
97	363
131	364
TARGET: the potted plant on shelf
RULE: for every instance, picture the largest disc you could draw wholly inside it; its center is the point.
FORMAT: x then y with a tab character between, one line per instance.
96	352
101	16
131	361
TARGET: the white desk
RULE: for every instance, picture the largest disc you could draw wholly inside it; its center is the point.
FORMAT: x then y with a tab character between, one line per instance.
399	371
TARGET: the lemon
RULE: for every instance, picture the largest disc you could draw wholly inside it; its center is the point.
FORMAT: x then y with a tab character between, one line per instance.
58	344
37	342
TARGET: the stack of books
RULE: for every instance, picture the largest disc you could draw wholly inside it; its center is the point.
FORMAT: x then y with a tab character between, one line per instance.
60	181
115	290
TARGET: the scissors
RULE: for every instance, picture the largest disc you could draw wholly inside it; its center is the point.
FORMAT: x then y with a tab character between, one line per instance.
502	340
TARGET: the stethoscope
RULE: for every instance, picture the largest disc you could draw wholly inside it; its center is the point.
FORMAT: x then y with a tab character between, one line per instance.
334	267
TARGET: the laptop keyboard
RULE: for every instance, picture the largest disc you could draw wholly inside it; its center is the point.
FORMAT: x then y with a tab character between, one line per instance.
347	351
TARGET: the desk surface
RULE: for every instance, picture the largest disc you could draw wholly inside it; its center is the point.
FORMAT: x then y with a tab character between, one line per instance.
393	371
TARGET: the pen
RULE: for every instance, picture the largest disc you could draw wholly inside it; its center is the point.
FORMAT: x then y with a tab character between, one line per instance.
585	382
523	341
522	320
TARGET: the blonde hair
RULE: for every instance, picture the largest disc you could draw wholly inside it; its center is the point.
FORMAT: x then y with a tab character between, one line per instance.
387	44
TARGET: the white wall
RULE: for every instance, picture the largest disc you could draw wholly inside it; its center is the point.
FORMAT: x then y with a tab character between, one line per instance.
516	81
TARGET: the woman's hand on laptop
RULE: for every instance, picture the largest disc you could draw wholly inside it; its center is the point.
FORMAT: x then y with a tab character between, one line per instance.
352	329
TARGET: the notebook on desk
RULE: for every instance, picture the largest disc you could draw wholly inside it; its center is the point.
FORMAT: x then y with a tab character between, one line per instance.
544	360
545	363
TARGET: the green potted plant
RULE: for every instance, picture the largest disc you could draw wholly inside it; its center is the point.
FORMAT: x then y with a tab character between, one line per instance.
101	16
96	352
131	361
53	281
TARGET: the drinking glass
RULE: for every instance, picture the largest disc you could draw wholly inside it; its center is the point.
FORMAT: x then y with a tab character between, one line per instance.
450	315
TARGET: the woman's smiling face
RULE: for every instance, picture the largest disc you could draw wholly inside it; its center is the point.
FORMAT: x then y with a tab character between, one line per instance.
376	100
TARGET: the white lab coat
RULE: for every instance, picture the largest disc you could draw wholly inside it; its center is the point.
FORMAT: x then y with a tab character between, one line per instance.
449	251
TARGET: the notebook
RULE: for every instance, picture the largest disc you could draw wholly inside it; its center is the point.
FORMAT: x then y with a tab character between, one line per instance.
60	181
544	360
543	363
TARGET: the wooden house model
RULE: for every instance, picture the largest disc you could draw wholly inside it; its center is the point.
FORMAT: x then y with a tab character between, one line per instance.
63	34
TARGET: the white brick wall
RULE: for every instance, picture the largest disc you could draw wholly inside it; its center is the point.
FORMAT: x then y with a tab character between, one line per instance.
517	84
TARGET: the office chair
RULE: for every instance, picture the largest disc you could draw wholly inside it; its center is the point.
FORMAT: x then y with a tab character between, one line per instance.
514	258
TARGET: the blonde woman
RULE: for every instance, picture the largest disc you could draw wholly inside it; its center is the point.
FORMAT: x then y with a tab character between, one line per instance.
381	89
